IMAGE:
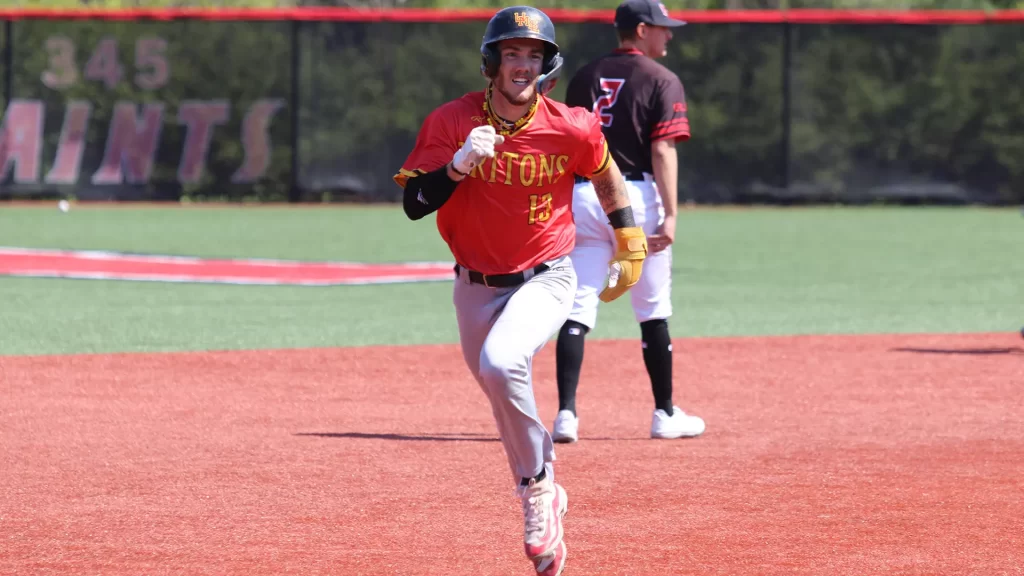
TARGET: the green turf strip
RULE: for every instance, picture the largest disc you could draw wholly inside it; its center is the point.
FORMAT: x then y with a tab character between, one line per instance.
737	272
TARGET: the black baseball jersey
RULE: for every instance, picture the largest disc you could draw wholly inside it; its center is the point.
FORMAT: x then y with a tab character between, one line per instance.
639	102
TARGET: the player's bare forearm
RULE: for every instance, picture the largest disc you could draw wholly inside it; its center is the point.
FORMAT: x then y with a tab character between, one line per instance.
611	189
666	173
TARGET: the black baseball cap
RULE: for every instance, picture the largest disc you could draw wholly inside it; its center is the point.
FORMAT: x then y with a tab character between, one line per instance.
651	12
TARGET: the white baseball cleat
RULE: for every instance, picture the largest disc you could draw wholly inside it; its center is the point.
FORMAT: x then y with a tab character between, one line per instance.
678	425
544	505
551	564
566	428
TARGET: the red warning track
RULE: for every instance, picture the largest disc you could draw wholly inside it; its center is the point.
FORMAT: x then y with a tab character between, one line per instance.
95	265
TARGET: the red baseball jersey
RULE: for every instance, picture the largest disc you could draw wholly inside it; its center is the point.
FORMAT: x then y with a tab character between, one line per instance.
513	211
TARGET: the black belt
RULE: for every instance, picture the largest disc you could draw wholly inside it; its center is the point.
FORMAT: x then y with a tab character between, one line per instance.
500	280
634	176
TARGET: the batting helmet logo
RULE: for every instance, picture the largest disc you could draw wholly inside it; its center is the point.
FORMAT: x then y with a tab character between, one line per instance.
521	22
531	21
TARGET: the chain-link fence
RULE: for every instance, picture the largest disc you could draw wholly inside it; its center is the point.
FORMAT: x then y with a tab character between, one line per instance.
572	4
312	110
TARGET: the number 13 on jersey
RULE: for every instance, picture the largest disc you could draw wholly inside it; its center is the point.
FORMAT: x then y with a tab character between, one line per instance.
540	208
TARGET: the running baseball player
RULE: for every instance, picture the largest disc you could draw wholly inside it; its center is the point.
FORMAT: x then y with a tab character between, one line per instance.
498	167
642	110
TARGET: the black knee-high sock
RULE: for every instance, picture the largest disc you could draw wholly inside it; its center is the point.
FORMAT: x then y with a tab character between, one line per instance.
657	347
568	362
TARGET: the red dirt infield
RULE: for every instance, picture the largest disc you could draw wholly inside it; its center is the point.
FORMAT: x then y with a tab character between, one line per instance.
823	455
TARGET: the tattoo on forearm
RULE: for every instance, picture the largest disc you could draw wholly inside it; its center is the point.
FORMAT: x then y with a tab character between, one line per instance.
611	192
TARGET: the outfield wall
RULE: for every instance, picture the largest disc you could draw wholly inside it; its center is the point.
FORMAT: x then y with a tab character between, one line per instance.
313	104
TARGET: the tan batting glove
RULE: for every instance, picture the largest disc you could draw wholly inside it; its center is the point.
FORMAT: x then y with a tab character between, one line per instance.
479	145
627	263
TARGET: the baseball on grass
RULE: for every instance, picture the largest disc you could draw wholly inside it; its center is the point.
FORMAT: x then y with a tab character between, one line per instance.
64	205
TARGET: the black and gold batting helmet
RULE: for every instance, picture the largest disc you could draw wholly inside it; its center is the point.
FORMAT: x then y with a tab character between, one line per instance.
521	22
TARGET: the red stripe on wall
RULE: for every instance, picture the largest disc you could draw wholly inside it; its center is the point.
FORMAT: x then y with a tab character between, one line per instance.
803	16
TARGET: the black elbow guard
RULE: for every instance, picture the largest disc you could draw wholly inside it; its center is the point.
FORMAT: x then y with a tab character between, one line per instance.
428	192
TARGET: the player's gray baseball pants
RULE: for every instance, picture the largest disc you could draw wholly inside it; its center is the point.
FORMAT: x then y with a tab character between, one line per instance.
501	329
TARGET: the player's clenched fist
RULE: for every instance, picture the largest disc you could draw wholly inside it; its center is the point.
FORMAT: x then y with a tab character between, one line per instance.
627	263
479	145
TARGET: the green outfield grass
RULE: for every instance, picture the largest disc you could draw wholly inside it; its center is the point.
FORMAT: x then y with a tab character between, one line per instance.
737	272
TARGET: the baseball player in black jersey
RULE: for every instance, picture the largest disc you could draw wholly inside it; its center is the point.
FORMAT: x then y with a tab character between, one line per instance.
642	109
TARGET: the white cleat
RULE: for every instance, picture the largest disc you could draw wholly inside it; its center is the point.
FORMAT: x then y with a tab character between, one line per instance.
678	425
544	505
566	428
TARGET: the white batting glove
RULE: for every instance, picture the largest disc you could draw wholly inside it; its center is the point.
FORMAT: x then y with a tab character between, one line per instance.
479	145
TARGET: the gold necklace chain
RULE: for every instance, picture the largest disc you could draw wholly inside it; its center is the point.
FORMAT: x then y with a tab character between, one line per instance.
502	126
